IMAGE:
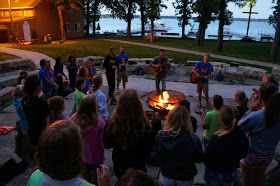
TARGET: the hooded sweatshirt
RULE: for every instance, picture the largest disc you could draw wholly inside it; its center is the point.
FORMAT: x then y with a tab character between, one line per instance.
178	153
21	116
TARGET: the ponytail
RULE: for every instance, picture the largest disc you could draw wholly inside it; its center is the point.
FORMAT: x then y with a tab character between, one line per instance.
272	110
96	82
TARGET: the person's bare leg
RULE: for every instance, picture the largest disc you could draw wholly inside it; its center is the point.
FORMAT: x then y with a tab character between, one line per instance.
248	175
259	174
199	99
124	85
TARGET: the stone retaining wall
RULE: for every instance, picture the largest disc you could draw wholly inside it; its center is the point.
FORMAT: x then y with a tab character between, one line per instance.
16	64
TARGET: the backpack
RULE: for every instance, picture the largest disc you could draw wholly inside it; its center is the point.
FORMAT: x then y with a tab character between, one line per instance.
219	76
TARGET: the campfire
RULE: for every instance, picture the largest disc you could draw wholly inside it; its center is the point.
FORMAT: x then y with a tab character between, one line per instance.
163	102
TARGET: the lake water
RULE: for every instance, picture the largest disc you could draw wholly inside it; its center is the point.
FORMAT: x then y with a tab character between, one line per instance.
240	27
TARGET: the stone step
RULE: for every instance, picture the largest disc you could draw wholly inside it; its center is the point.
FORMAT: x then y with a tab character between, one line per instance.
6	96
9	79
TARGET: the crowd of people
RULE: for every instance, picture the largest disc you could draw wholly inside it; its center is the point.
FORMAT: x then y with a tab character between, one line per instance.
70	151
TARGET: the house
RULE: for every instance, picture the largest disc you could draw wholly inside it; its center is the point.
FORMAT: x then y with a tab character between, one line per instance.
34	19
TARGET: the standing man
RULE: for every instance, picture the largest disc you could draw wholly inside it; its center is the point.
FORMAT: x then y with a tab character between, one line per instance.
110	64
161	61
203	71
122	60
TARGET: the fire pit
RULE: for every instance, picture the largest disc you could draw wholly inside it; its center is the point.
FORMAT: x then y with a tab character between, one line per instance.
163	102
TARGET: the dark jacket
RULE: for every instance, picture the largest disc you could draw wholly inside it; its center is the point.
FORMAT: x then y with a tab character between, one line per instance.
177	155
224	153
36	110
133	157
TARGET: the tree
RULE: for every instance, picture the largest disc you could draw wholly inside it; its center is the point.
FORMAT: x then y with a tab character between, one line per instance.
154	7
182	8
92	14
206	9
272	20
225	18
61	6
123	9
142	8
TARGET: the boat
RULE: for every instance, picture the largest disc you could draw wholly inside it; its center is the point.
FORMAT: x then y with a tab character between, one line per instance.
159	26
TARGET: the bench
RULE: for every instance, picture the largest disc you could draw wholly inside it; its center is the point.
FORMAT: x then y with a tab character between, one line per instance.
216	36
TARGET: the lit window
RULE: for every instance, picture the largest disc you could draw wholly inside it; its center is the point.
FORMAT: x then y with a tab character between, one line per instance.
21	12
77	27
67	27
6	14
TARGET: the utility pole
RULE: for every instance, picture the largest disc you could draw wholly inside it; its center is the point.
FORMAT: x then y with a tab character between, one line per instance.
250	13
11	17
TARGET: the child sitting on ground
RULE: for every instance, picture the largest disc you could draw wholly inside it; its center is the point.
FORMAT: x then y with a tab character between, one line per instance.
92	129
103	105
225	149
59	157
79	93
211	122
57	106
156	126
22	124
187	104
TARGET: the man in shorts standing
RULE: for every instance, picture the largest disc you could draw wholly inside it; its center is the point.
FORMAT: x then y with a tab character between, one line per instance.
203	71
122	60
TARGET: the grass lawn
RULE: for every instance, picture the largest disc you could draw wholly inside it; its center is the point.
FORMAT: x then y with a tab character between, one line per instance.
247	50
100	48
4	56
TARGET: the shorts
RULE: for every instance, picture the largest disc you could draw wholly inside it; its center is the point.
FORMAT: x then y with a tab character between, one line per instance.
47	90
213	177
255	160
204	87
122	76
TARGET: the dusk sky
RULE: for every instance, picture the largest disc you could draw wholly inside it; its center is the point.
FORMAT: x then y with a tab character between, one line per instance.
263	7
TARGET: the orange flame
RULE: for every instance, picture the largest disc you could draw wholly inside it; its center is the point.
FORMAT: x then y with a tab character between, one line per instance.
163	100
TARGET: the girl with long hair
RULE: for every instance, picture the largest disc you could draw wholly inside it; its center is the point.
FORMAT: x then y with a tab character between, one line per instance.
178	149
83	73
57	106
35	109
129	134
262	129
72	70
92	130
103	105
241	102
58	71
225	149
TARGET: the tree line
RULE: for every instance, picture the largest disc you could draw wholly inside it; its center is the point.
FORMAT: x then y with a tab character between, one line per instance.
206	11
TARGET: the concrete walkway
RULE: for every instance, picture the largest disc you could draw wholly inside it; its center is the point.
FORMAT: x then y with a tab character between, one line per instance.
233	59
34	56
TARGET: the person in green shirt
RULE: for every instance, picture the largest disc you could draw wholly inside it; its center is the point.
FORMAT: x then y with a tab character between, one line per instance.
211	121
79	94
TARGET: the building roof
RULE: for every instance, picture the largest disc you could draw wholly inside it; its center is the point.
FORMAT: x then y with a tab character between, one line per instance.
15	19
22	4
19	4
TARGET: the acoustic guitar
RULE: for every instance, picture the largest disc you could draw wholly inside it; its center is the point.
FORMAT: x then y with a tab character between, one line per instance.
156	70
194	79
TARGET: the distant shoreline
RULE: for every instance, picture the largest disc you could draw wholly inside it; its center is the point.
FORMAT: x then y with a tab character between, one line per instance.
105	16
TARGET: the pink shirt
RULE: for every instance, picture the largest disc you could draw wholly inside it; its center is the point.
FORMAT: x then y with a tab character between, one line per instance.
92	144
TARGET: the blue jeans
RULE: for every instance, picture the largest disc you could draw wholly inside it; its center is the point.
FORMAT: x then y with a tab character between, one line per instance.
215	178
163	80
170	182
47	90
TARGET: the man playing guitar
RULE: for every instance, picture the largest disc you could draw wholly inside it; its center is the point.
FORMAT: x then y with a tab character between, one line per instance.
203	70
161	62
